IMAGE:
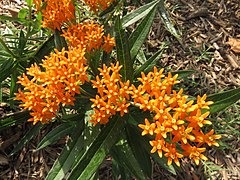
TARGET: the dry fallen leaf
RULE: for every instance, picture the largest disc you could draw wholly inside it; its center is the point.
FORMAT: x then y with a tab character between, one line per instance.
235	44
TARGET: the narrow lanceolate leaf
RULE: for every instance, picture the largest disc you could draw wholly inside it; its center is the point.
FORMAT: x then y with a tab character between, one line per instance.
138	37
98	150
223	100
183	73
69	154
56	134
28	136
6	68
44	50
167	22
141	56
123	52
138	14
59	41
124	156
22	42
9	18
149	64
140	154
16	118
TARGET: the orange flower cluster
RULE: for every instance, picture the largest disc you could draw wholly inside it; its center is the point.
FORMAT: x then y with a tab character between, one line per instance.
113	94
64	72
89	35
98	5
176	121
56	13
38	4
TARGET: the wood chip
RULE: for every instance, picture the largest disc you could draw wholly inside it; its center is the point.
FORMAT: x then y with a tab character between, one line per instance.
235	44
233	60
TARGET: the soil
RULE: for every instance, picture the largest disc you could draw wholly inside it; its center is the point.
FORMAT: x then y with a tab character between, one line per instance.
205	28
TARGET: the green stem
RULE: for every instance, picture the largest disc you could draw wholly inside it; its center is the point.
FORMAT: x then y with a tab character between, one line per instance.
29	24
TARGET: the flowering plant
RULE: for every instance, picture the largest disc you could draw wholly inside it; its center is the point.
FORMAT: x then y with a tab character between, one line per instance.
85	77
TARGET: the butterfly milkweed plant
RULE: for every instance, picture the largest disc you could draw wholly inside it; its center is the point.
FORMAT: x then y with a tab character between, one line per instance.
77	65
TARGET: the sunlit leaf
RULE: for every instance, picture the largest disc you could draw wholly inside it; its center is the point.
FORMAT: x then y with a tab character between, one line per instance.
123	52
224	99
139	35
138	14
69	155
123	154
98	150
166	20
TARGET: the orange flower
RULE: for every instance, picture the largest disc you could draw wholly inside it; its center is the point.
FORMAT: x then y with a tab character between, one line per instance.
194	152
98	5
208	138
172	154
198	119
202	103
64	72
56	13
89	35
162	130
159	146
38	4
183	134
113	94
109	43
175	118
147	128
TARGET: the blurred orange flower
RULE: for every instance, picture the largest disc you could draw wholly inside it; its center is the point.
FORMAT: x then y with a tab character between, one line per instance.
56	13
98	5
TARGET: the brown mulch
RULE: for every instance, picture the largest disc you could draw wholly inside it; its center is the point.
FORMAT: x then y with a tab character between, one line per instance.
205	28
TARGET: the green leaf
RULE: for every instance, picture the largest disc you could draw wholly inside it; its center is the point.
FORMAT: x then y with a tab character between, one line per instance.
22	42
16	118
23	13
6	68
9	18
13	87
69	155
144	143
120	171
59	40
183	73
98	150
29	2
138	37
139	153
56	134
223	100
124	156
137	14
141	56
167	22
123	53
1	93
27	137
44	50
149	64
